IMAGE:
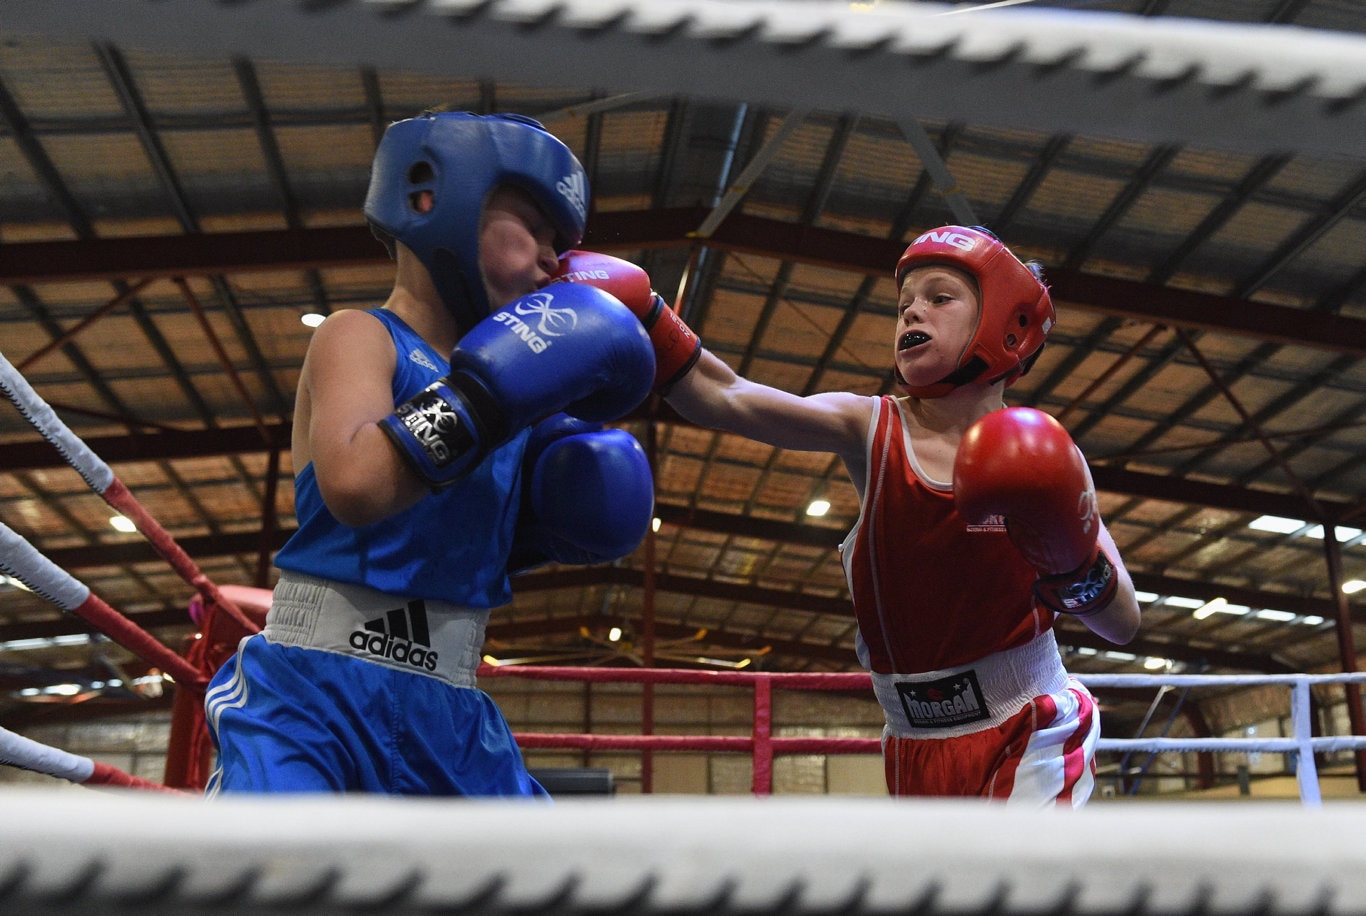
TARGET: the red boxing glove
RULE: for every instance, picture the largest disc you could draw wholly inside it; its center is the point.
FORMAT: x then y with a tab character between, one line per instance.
1021	464
676	346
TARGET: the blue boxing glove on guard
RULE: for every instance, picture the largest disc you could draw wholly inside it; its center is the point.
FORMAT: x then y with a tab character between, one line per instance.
567	347
587	495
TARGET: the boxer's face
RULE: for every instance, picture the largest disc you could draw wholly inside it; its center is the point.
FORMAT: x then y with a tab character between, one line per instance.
516	246
936	318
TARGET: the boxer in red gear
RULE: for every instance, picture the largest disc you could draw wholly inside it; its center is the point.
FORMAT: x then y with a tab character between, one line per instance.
978	527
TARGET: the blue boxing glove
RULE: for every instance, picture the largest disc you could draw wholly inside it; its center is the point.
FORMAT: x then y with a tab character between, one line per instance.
568	347
587	495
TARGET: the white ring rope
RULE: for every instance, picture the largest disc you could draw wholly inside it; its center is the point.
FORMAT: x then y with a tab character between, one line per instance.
1252	88
21	560
102	480
1303	744
34	409
643	854
27	754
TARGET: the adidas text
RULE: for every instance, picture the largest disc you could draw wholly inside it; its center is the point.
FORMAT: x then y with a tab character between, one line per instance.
400	650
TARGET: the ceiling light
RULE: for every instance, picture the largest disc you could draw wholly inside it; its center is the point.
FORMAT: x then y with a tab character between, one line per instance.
1352	586
818	507
1178	601
123	524
312	319
614	634
1276	524
1341	532
654	524
1279	525
46	642
1209	608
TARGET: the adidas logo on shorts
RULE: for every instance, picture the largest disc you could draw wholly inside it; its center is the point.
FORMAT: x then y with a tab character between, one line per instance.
400	635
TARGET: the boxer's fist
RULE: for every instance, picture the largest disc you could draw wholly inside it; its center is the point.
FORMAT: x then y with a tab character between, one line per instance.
587	495
1021	464
676	346
569	348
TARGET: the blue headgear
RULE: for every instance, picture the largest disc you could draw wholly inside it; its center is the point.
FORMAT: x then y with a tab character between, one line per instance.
460	157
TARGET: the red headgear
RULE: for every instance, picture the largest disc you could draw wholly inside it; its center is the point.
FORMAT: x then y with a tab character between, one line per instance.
1016	312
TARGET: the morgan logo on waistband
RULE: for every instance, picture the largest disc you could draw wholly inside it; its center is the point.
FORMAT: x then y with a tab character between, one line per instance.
949	701
400	635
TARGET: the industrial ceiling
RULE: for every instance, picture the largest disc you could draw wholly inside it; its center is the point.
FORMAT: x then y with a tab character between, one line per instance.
182	184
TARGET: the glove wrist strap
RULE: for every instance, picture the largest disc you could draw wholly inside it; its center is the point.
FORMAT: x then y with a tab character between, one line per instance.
677	346
1081	593
436	433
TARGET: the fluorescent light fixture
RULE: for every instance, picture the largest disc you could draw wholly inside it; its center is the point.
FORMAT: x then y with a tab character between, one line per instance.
1279	525
41	642
654	524
1154	664
23	645
1278	616
312	319
818	507
1311	620
1145	597
1341	532
123	524
1276	524
1210	608
1178	601
1352	586
614	634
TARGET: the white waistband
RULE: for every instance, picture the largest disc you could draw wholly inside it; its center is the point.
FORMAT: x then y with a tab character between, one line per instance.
433	638
970	698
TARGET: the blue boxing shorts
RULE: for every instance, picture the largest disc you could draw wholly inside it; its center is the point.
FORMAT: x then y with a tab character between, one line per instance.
289	714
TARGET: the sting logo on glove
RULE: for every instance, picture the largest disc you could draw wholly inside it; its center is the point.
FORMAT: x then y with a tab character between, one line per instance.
1080	593
430	420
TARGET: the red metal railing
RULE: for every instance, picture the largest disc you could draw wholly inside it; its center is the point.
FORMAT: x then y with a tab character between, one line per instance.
761	743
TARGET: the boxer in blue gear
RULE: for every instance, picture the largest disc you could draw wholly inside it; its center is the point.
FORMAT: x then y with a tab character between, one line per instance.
363	679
